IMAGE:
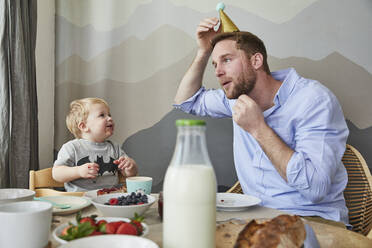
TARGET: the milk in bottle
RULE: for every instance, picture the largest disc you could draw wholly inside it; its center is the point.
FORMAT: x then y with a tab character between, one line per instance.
189	191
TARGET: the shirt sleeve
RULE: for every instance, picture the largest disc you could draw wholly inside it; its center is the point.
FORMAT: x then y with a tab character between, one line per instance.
66	155
320	144
204	102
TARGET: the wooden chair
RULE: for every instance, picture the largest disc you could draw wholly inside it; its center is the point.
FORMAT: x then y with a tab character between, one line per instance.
42	183
358	194
236	188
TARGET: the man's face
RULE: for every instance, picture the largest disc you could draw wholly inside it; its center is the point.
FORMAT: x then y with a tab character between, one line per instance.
233	69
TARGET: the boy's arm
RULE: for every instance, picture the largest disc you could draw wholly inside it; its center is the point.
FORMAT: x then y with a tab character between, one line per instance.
64	173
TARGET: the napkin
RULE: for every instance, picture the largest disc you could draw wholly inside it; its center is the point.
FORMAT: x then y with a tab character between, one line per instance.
311	241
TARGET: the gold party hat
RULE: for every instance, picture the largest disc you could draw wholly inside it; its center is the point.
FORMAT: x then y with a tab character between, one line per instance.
226	24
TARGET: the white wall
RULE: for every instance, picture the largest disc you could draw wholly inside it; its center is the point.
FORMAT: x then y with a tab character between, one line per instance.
45	49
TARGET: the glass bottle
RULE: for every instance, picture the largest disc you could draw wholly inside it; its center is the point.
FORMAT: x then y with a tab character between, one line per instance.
189	191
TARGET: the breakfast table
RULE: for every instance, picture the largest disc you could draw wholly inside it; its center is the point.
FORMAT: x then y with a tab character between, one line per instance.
327	235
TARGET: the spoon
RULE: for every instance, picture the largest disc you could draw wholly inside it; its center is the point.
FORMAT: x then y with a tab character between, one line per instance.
56	205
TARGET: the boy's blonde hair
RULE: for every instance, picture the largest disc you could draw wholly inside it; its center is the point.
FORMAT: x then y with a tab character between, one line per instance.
79	111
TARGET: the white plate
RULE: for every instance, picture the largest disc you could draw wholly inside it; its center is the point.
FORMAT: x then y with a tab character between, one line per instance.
91	194
112	241
77	203
14	194
235	202
60	228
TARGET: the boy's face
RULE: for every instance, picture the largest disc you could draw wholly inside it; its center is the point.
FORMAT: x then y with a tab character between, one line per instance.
99	125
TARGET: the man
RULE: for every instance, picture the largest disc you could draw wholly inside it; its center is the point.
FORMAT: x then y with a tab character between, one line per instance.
289	132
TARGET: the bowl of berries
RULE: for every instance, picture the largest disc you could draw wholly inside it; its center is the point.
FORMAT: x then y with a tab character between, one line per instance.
123	204
92	225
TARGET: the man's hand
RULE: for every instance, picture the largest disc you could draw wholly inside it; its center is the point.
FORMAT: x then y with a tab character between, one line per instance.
205	33
88	170
127	166
248	115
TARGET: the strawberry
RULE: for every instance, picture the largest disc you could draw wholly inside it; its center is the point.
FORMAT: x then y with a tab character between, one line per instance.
113	201
65	230
78	231
111	227
88	219
127	228
101	222
101	225
118	223
138	226
136	221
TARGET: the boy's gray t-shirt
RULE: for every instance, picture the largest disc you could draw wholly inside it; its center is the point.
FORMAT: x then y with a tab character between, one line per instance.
80	151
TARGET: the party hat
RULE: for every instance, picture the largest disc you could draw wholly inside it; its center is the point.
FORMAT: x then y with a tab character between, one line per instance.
226	24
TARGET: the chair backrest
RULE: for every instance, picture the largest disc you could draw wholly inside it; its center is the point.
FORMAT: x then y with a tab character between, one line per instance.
236	188
42	183
358	194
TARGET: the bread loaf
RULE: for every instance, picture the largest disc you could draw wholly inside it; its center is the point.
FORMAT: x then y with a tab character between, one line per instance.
283	231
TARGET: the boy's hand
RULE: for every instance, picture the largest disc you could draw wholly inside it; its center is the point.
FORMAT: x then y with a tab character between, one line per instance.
88	170
127	166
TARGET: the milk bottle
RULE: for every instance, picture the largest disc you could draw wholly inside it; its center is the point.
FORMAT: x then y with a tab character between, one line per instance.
189	191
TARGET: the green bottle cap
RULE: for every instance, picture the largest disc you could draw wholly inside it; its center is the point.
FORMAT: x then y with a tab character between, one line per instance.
187	122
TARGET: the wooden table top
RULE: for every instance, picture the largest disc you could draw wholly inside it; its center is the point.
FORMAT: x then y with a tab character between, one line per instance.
327	235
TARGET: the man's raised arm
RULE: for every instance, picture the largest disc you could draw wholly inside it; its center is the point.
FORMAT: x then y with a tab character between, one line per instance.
192	80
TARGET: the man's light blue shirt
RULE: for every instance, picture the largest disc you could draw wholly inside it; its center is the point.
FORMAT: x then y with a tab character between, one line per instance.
309	119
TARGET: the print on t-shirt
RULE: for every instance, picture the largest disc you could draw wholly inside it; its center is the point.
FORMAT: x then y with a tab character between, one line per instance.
103	167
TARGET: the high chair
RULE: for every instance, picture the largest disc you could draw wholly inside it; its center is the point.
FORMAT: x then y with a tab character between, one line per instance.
43	184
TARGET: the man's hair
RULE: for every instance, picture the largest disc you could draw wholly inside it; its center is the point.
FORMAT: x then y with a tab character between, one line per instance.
247	42
79	111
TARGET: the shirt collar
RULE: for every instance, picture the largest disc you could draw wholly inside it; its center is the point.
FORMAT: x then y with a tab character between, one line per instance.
288	77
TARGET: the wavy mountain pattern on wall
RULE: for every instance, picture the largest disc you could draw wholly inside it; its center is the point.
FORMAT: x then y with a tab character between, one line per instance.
314	33
107	15
131	61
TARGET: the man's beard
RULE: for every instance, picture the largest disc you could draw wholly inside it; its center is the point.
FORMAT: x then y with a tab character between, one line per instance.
243	86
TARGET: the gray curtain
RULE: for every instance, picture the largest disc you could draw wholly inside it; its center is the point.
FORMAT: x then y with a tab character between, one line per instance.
18	98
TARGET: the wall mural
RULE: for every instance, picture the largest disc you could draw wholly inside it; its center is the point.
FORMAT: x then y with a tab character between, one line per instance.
134	54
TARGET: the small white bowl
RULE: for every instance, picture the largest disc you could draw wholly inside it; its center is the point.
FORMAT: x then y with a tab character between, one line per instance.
25	224
57	232
15	195
112	241
120	211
